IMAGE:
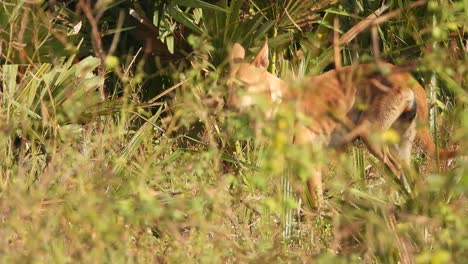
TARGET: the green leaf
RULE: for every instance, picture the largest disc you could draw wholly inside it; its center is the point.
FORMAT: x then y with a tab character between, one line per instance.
25	109
197	4
142	133
9	78
338	12
170	43
180	17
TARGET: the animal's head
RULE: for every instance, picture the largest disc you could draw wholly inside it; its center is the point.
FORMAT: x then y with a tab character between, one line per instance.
248	80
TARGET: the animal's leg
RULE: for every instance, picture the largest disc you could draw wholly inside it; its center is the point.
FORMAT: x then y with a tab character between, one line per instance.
382	153
407	131
315	187
362	131
341	137
306	137
358	131
394	108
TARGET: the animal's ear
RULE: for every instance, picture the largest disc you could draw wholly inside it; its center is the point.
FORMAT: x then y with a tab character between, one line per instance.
261	59
235	58
237	54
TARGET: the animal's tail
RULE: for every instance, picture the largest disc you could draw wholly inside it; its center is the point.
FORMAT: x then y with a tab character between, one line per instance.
430	147
423	118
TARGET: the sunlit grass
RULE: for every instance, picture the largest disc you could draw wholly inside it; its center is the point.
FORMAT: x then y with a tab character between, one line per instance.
88	180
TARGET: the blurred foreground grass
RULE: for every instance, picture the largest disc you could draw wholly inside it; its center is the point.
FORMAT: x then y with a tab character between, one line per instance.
83	179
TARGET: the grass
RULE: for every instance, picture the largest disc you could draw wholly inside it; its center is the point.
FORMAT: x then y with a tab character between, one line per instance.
115	181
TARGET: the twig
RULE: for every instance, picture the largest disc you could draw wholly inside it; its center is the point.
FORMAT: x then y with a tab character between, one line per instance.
375	44
336	44
170	89
24	23
395	13
96	35
95	40
290	18
116	37
133	61
361	26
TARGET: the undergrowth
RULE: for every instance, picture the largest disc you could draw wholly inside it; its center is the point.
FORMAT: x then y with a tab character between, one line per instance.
97	166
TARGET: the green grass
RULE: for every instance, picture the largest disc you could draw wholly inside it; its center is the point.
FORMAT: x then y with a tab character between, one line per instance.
88	180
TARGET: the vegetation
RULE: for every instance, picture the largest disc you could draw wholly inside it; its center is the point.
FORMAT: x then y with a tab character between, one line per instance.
116	146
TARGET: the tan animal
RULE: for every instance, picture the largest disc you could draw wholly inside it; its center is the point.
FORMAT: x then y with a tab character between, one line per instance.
331	101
